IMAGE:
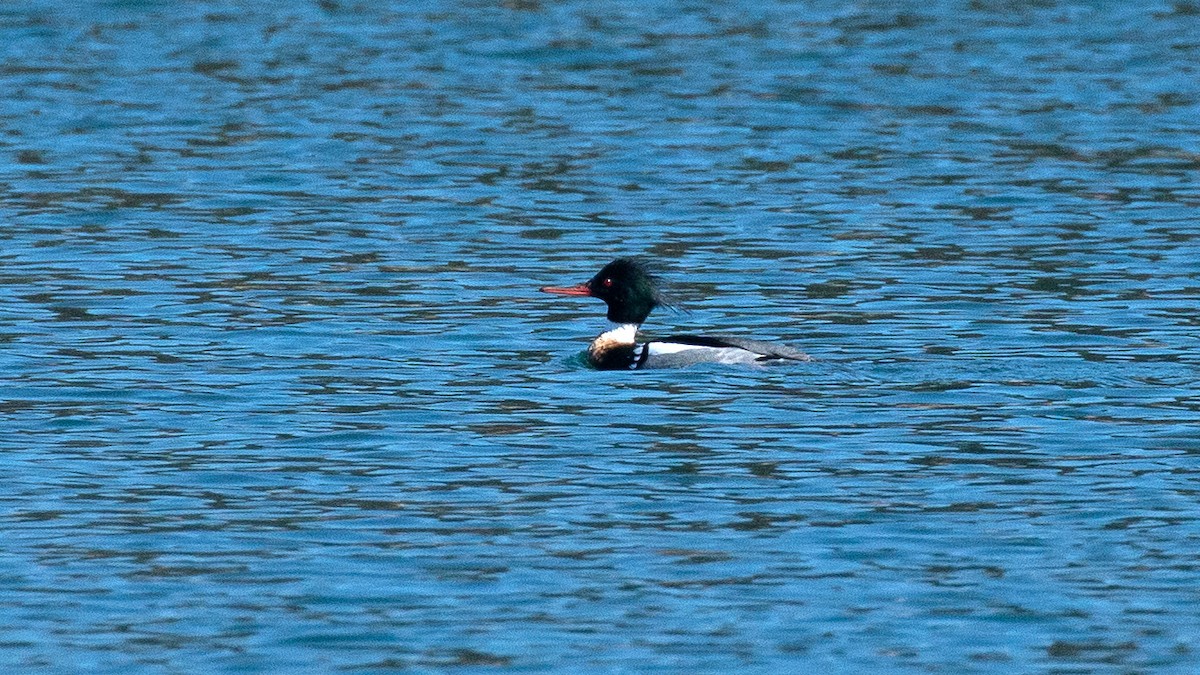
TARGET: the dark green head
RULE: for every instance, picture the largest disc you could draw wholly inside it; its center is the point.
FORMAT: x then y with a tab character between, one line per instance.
625	285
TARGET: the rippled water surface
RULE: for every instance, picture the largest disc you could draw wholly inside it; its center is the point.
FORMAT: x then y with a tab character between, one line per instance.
279	392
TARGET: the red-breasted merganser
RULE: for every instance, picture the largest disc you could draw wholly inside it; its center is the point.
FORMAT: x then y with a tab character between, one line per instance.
630	292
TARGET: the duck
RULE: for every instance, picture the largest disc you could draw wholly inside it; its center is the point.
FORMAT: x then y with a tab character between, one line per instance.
631	292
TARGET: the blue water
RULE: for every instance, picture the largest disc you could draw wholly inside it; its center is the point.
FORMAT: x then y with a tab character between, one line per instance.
279	393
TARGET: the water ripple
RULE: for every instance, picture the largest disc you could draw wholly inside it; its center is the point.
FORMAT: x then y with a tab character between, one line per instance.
280	392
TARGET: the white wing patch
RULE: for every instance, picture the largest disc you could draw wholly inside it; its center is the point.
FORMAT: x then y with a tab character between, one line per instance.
674	354
663	348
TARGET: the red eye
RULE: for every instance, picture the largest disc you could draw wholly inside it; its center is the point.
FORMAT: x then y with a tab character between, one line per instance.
607	283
